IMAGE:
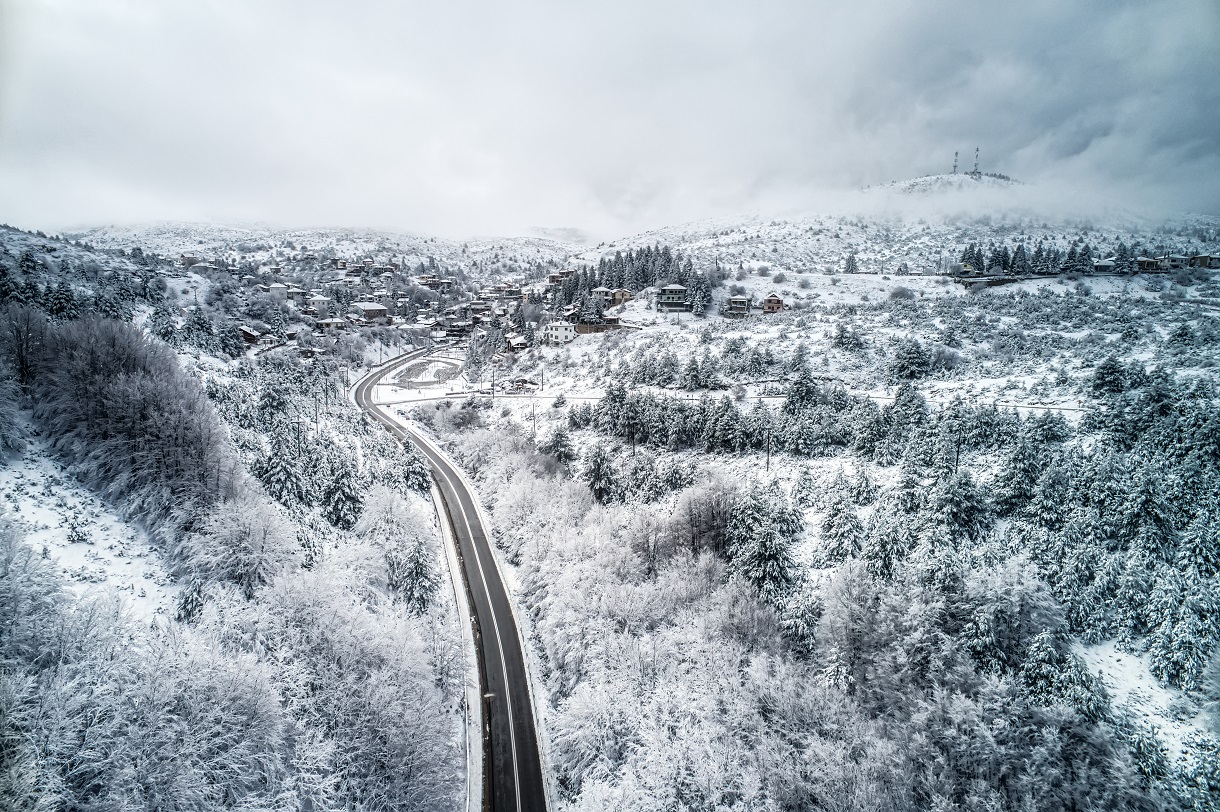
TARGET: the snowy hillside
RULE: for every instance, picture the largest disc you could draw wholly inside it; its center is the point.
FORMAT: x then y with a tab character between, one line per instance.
239	245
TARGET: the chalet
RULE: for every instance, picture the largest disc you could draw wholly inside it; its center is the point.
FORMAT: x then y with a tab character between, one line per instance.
278	291
605	294
249	334
512	292
1175	261
295	294
1204	261
566	272
772	303
558	332
268	340
554	279
339	264
622	295
571	314
369	311
671	297
478	306
261	288
515	343
737	306
1148	264
1105	265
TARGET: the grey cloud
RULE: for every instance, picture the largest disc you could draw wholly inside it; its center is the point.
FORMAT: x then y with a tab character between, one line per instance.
483	117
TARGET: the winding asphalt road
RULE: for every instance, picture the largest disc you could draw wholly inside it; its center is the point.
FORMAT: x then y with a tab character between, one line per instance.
512	767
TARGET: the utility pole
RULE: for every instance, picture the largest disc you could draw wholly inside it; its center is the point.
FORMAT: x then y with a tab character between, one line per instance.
954	162
976	160
534	417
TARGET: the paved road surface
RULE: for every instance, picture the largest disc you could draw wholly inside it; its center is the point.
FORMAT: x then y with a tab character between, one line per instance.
512	778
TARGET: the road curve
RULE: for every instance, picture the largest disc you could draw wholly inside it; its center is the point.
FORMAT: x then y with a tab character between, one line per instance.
512	766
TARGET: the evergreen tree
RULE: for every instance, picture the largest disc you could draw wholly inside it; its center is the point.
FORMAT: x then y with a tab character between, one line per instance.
281	475
959	508
1017	481
842	533
1200	544
804	490
692	377
766	562
598	473
412	575
341	501
851	264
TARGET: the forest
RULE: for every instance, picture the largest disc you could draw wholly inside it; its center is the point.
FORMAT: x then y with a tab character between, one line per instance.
310	662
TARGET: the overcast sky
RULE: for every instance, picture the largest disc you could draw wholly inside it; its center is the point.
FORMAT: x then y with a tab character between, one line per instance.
464	118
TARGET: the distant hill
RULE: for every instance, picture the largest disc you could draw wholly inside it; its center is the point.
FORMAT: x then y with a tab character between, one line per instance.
941	184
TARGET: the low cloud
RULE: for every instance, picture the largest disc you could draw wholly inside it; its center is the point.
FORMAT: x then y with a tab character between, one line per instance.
477	118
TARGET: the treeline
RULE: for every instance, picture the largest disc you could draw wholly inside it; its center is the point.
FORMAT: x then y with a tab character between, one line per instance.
1045	260
811	420
636	270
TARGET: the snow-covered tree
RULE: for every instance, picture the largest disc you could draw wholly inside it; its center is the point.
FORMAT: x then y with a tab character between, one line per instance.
341	500
598	472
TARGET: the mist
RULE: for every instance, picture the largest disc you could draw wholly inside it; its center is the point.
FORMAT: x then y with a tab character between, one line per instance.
477	119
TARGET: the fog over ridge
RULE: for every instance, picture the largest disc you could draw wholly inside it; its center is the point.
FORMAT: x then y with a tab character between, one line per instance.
479	119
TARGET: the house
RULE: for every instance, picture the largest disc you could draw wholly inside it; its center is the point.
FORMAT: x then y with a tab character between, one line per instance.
671	297
515	343
605	294
571	314
369	311
772	303
737	306
554	279
332	324
622	295
339	264
558	332
1148	263
320	304
278	291
1175	261
295	294
249	334
1104	265
268	340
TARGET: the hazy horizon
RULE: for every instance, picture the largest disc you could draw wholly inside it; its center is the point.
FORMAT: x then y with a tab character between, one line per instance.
484	121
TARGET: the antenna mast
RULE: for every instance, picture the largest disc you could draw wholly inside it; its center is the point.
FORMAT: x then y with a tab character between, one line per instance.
976	160
954	162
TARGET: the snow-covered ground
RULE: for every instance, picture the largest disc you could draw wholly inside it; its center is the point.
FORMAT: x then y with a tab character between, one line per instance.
98	552
1131	685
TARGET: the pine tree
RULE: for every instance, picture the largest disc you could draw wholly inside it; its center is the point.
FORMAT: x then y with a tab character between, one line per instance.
412	575
1200	543
851	264
842	533
766	562
598	473
959	508
804	490
1017	481
280	474
341	501
692	377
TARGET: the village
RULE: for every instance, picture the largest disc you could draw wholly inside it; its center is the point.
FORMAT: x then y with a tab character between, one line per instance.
435	308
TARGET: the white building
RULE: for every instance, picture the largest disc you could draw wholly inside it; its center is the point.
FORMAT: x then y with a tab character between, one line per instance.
558	332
